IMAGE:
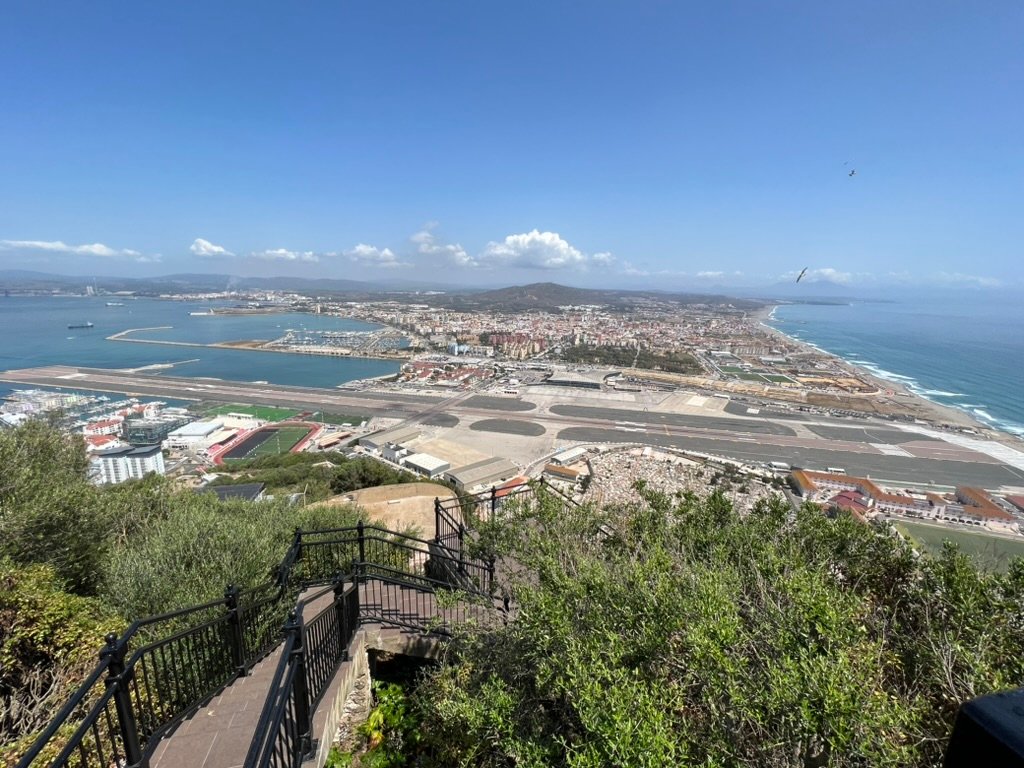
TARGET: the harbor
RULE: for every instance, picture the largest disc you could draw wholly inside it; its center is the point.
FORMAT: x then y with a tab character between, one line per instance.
381	344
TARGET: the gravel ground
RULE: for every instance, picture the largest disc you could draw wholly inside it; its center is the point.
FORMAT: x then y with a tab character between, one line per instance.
615	473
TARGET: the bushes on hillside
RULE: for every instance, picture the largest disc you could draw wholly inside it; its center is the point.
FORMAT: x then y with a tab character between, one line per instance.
678	632
298	473
49	641
191	555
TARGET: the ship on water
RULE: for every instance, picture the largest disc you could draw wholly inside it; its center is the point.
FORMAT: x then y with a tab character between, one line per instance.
81	325
115	303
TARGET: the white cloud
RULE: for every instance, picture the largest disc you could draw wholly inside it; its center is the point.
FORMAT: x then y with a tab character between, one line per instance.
958	278
534	250
89	249
628	268
283	254
710	273
602	259
371	255
206	249
426	244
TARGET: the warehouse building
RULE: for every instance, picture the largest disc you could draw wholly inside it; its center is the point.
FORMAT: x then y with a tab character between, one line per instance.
426	465
568	457
486	472
397	435
198	434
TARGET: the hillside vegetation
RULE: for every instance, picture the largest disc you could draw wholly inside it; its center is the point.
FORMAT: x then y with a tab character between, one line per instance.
675	631
680	633
317	475
77	561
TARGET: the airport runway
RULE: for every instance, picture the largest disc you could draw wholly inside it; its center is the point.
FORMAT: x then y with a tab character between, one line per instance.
879	450
657	418
880	467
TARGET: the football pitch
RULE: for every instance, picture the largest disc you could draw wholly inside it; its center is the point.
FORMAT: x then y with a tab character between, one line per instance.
269	441
264	412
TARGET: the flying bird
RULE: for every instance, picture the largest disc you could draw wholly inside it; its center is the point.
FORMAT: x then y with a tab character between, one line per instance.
853	172
802	273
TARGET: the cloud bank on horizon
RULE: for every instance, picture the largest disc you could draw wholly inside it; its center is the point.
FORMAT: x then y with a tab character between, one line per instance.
516	255
89	249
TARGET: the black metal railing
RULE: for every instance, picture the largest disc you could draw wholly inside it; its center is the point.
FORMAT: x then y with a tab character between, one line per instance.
164	667
311	655
159	670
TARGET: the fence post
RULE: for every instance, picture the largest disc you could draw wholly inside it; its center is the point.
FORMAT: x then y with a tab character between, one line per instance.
361	567
119	677
303	722
462	539
494	500
437	519
341	616
235	627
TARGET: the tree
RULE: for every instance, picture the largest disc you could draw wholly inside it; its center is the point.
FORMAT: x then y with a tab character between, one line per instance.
49	513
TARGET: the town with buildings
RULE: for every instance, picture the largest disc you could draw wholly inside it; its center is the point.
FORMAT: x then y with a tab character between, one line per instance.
585	396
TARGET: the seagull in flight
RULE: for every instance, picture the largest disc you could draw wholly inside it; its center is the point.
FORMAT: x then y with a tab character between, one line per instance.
802	273
853	172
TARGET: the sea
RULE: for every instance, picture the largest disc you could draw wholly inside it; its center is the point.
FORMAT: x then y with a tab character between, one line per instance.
34	332
963	351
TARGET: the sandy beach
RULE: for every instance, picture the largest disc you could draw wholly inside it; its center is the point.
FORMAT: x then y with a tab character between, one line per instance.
892	397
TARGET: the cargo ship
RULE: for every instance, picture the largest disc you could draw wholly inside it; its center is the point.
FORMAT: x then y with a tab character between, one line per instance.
80	325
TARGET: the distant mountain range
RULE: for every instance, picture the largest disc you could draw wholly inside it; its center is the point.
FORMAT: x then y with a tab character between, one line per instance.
514	298
550	295
17	279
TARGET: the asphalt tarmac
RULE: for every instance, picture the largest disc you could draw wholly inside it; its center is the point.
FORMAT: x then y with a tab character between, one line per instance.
659	418
900	469
499	403
509	427
868	434
861	447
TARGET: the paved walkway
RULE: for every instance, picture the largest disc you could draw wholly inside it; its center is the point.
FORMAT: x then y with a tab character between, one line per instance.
219	735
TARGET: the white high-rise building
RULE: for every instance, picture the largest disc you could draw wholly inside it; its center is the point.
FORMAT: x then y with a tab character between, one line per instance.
115	465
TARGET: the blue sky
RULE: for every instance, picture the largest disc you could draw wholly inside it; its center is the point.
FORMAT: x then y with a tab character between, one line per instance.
660	144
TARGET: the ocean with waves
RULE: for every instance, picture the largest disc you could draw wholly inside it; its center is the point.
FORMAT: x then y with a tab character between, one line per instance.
963	351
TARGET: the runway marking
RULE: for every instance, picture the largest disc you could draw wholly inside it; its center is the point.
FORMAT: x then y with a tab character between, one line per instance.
890	450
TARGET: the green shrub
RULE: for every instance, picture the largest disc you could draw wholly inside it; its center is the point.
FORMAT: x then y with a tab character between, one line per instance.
678	632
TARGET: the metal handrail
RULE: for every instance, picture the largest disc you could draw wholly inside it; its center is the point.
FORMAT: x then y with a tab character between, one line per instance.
283	731
121	684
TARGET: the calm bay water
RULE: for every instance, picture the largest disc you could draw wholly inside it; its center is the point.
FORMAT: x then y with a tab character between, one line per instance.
966	351
34	332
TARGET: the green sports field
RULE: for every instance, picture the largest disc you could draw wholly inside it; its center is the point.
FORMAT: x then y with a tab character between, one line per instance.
265	412
994	552
267	441
282	442
337	418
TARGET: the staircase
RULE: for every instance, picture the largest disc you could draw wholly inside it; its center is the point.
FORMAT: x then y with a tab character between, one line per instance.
218	736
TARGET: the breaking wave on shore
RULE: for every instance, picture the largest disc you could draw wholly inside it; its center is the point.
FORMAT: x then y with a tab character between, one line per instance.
991	400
